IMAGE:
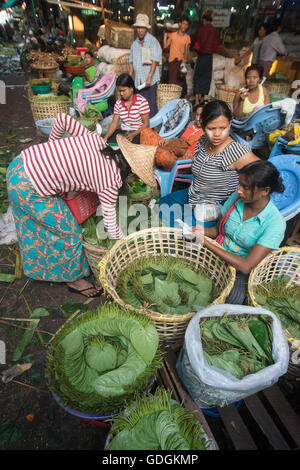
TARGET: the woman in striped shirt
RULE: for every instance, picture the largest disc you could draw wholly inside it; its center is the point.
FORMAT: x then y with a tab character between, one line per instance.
131	111
50	238
217	159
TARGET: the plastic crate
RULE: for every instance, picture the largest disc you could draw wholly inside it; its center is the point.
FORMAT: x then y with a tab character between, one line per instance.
82	204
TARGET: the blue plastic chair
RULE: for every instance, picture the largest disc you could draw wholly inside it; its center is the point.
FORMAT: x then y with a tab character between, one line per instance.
281	147
166	178
288	203
262	122
163	115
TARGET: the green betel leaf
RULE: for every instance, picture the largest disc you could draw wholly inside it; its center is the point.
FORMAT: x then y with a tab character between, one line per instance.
26	339
39	312
7	277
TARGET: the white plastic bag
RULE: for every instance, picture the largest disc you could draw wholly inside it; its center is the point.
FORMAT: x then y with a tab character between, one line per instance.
210	386
8	232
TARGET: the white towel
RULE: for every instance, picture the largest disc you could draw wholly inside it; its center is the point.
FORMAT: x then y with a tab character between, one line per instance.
288	106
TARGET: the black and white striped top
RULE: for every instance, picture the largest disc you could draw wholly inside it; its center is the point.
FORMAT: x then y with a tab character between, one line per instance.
213	180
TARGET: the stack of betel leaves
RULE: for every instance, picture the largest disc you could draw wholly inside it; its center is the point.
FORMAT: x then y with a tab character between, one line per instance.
89	117
138	189
238	344
157	422
283	300
103	358
166	285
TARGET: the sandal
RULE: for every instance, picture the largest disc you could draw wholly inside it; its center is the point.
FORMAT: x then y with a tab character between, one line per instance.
77	291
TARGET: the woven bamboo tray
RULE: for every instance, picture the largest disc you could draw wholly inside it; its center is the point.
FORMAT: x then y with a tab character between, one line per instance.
166	92
226	93
94	255
48	109
286	260
166	241
282	88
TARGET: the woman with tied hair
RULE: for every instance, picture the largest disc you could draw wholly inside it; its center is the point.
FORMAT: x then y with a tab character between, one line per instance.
250	227
253	96
217	159
131	112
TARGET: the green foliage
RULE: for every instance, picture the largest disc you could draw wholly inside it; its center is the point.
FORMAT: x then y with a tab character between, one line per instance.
238	344
166	285
283	300
102	358
138	189
156	422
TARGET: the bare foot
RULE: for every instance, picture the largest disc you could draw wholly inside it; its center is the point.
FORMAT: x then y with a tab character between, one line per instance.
84	287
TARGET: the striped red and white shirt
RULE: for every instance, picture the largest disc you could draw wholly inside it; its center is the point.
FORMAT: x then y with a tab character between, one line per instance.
75	163
131	119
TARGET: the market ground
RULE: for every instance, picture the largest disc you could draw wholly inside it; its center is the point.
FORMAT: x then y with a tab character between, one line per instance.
30	419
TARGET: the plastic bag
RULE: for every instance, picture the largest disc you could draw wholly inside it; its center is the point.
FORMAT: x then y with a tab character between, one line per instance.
210	386
8	232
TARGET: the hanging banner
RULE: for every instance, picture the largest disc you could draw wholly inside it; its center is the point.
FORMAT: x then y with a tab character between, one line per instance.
221	18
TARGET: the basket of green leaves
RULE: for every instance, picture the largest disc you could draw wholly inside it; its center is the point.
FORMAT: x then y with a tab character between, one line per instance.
274	284
157	272
157	422
101	359
138	190
89	117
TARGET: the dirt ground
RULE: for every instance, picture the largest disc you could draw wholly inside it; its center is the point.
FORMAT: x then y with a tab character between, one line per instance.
30	418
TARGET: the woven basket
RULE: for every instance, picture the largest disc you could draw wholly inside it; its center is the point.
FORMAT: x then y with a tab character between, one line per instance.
121	64
283	261
226	93
94	255
48	109
166	241
282	88
45	71
166	92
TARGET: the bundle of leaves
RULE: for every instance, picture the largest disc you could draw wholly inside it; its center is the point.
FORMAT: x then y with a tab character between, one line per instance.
166	285
278	77
237	344
40	82
156	422
102	359
283	300
89	117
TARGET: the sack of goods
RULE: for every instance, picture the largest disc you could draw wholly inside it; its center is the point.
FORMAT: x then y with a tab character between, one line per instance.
231	352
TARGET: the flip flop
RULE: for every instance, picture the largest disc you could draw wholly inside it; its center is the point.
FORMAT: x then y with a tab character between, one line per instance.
77	291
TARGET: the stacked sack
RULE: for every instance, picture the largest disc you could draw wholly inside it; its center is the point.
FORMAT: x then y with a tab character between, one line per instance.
107	56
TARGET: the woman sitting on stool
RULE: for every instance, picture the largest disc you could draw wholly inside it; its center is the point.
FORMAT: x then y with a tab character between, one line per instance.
251	226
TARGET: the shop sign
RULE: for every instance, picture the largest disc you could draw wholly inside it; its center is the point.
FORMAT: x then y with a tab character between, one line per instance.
221	18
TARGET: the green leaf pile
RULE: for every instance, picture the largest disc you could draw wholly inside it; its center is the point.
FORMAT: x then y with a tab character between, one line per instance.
283	301
102	358
166	285
138	189
238	344
157	423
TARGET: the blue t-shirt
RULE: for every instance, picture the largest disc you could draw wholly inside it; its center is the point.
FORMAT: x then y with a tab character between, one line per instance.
267	228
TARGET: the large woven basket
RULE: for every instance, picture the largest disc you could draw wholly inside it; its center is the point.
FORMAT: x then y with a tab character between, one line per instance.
166	92
286	260
282	88
94	255
226	93
49	108
164	241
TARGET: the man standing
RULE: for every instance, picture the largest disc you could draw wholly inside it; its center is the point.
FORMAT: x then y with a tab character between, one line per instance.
145	56
179	43
207	43
271	46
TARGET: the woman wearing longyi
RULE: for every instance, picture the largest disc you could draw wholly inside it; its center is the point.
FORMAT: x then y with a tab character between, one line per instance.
250	227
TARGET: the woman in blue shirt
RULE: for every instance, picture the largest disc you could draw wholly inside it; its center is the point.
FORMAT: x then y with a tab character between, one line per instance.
251	226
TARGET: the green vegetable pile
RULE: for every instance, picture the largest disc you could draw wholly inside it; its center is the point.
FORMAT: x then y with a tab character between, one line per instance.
238	344
52	98
40	82
138	189
278	77
166	285
283	300
89	117
157	423
102	358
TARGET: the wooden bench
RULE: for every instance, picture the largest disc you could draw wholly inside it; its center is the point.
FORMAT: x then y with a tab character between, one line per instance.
264	421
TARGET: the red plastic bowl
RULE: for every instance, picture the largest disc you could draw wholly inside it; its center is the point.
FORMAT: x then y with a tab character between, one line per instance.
74	69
